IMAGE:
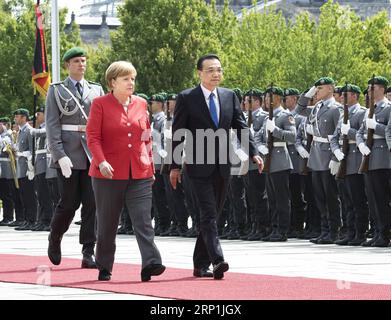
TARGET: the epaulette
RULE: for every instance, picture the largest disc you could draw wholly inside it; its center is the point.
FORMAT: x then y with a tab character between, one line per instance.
95	83
56	83
363	108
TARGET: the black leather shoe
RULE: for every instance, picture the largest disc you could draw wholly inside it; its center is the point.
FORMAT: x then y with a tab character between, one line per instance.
278	238
88	262
5	222
219	269
54	249
151	270
381	242
344	241
104	275
16	223
202	273
357	241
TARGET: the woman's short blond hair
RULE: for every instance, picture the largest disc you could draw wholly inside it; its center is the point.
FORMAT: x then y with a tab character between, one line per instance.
119	69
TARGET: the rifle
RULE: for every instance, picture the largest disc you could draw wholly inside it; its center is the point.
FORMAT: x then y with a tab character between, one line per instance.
365	159
310	137
250	112
165	167
345	144
268	159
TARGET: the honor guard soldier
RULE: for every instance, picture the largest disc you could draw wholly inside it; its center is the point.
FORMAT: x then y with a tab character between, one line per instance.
68	105
296	181
322	121
377	173
25	169
357	219
282	129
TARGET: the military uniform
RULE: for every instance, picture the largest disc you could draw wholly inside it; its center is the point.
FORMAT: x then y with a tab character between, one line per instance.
277	180
378	174
357	219
66	123
324	119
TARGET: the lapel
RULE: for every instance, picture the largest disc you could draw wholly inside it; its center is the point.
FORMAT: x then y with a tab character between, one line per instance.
224	102
379	107
204	107
86	90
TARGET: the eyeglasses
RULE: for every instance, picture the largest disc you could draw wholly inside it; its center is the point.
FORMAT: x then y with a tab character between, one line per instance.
211	71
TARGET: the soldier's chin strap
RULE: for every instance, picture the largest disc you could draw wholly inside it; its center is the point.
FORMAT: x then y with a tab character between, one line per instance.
63	110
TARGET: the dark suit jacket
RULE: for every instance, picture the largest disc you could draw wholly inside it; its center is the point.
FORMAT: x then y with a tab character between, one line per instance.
192	113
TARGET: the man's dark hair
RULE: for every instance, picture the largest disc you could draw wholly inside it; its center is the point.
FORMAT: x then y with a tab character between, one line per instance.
206	57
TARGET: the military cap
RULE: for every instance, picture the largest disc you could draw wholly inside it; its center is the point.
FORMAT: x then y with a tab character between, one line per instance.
22	111
157	97
5	120
379	80
254	92
41	109
338	89
324	80
163	94
291	92
74	52
275	90
172	96
142	95
351	88
238	92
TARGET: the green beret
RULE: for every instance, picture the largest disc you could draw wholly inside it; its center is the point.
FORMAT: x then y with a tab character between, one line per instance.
254	92
275	90
291	92
351	88
158	97
163	94
338	89
324	80
74	52
5	120
172	96
379	80
22	111
142	95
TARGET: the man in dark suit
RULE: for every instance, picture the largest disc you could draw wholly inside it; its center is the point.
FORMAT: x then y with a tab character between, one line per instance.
212	111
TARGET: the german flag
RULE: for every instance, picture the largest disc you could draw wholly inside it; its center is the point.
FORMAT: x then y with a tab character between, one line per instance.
41	75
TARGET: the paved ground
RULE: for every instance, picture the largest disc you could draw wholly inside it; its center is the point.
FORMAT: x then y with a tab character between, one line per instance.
292	258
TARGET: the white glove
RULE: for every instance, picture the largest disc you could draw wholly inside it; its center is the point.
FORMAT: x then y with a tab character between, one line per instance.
65	165
345	128
263	149
334	167
0	171
241	155
364	149
371	123
163	153
310	93
339	154
270	125
168	134
303	153
309	128
30	174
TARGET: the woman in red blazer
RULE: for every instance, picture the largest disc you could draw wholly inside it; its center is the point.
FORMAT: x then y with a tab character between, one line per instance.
119	138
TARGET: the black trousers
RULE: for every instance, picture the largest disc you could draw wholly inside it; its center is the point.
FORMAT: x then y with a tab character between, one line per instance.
298	205
76	190
54	192
6	198
191	200
358	223
326	199
277	188
159	202
259	208
347	207
29	199
239	205
312	215
18	205
176	202
378	192
45	205
210	193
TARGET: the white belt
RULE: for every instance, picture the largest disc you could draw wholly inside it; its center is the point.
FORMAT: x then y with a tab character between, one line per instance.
73	127
5	159
279	144
320	139
23	154
290	144
350	142
375	136
40	151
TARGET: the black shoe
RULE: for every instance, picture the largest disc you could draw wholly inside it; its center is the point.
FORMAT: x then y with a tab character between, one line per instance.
219	269
368	243
182	231
167	232
256	236
88	262
104	275
312	235
344	242
16	223
192	233
381	242
278	238
151	270
129	232
330	239
202	273
78	222
5	222
292	234
121	230
38	227
234	235
46	227
357	241
54	249
24	227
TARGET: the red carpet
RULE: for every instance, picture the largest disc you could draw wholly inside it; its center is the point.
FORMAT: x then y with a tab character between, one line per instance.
180	284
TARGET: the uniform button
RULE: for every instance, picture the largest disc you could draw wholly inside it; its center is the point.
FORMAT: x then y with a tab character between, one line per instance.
128	124
129	145
129	134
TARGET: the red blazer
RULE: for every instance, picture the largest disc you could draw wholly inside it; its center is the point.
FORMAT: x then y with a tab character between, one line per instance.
123	140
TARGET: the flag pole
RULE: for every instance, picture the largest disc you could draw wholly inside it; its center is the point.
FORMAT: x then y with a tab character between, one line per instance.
55	31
